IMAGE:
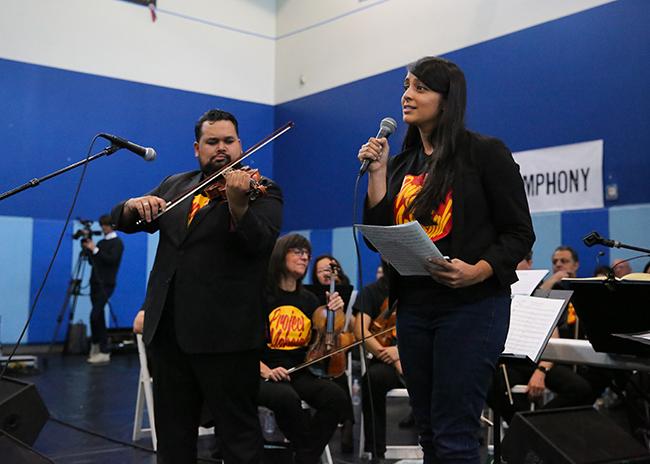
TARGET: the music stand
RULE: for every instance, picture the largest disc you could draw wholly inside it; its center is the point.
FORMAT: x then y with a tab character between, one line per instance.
528	354
609	306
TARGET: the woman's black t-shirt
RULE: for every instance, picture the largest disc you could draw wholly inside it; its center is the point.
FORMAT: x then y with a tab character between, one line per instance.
289	328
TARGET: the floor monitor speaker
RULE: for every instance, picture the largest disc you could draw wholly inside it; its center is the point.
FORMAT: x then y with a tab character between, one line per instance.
22	411
15	451
569	436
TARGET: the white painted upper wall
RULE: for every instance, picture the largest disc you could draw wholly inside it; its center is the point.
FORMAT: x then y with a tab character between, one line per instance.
370	37
187	48
265	51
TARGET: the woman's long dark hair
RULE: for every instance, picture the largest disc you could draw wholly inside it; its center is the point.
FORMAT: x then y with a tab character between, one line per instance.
345	280
447	79
277	262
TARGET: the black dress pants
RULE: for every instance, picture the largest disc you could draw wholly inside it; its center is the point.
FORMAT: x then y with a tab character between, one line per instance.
308	434
227	382
383	378
99	296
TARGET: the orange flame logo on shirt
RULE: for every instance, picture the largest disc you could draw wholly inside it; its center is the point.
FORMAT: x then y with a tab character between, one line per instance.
411	186
289	328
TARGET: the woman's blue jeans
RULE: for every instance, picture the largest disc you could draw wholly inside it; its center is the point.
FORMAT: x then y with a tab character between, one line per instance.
448	354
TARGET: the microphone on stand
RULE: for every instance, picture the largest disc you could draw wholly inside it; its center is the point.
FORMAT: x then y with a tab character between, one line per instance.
147	153
386	127
594	238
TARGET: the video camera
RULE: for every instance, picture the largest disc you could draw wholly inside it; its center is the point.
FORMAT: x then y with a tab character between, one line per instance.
86	232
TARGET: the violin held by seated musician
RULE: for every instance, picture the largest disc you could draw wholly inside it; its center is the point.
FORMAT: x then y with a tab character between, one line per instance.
329	325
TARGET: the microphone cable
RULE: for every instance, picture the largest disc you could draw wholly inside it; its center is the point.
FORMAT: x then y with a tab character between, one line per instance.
362	314
611	275
52	260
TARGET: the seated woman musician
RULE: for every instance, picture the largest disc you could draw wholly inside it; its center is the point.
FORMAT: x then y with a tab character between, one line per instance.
384	371
289	330
321	272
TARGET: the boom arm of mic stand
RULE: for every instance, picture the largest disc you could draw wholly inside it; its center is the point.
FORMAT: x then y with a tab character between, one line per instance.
618	244
37	181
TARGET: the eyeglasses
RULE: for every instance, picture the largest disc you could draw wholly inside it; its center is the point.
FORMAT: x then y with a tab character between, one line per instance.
300	252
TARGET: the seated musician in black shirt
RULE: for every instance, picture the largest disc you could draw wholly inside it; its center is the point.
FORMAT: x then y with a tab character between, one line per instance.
384	370
289	327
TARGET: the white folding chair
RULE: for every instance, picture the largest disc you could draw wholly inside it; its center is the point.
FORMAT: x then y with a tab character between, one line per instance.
144	398
393	451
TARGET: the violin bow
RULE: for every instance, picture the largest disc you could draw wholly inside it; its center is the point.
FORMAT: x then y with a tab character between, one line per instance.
211	178
336	351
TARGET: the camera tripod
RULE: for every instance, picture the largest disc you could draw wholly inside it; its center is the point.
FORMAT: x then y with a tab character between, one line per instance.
71	296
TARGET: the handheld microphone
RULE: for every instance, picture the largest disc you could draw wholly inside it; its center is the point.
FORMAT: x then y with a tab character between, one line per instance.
147	153
386	127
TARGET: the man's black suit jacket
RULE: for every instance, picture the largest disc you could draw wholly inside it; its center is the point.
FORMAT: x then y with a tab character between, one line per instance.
217	268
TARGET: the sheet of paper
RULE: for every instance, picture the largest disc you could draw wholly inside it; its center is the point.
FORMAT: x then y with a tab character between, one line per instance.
405	246
641	337
532	320
528	281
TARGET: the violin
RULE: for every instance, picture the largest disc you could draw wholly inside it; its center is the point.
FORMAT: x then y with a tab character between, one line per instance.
258	186
387	318
214	177
330	338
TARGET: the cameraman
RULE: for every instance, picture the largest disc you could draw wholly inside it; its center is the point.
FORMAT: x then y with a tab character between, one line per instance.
105	259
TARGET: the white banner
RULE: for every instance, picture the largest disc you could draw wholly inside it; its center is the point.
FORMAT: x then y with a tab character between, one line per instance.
563	178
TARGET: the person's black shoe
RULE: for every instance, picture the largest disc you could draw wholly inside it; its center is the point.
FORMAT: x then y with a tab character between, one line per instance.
408	422
347	443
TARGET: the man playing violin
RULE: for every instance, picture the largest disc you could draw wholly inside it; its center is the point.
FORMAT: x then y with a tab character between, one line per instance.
204	321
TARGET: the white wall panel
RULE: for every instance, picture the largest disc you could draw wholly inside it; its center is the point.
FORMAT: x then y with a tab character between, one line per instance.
243	49
118	39
254	16
340	48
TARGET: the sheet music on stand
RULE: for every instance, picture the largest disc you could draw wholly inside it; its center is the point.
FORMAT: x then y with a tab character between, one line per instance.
528	281
639	337
532	320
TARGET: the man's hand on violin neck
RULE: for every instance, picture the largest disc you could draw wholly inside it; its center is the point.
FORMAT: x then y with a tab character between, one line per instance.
238	183
146	207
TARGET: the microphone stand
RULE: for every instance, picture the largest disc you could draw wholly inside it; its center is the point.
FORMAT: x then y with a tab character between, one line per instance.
35	182
618	244
594	238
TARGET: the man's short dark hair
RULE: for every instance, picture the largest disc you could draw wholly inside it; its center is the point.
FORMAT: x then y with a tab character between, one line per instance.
574	253
212	116
105	220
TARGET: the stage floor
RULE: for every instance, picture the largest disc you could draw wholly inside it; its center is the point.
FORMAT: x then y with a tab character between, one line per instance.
101	400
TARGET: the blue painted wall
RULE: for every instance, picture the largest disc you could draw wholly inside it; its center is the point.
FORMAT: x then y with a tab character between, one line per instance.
579	78
50	115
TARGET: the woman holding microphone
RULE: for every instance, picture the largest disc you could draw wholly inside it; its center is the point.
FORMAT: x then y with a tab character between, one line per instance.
466	191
